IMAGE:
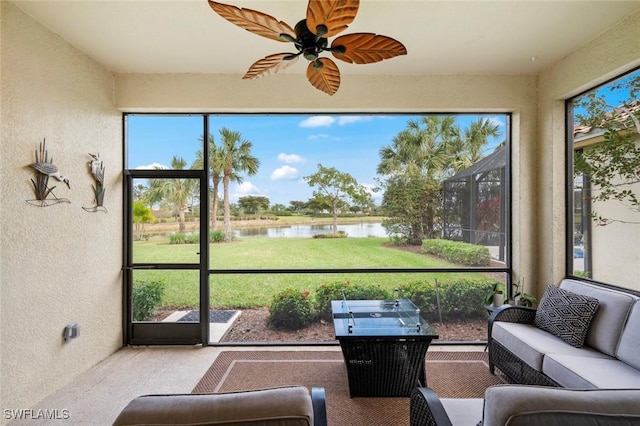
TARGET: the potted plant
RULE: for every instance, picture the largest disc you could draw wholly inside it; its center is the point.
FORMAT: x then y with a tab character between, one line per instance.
495	295
522	298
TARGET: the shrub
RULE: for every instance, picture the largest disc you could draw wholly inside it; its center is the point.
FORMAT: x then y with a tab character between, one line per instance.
458	298
182	238
333	291
458	252
339	234
290	310
216	236
147	296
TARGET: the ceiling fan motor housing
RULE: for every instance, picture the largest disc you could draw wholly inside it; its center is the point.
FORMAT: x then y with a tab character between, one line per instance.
310	44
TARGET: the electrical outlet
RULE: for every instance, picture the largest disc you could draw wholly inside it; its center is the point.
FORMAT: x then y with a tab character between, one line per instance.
71	331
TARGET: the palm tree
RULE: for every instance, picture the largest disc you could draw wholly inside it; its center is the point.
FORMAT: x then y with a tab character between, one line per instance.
420	149
215	171
174	191
420	153
235	158
476	138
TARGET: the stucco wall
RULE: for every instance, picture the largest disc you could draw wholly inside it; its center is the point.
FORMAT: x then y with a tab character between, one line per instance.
60	264
605	57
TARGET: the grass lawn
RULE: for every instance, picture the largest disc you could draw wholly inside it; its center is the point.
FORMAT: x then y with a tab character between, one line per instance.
256	289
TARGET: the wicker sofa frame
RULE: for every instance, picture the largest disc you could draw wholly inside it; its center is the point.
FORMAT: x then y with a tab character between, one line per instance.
528	355
513	368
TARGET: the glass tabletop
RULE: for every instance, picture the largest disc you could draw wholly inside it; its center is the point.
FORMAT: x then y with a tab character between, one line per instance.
399	317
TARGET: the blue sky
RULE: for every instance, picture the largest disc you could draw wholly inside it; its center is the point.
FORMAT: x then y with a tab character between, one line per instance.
289	146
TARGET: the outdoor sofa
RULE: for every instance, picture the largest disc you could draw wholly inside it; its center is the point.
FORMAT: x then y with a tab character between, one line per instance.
281	406
519	405
567	342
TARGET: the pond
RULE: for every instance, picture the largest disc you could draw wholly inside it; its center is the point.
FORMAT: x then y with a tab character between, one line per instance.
354	230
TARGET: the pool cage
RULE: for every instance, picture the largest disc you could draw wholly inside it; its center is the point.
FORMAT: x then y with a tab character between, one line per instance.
474	205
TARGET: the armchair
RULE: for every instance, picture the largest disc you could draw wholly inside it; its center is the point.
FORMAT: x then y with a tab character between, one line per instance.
519	405
291	405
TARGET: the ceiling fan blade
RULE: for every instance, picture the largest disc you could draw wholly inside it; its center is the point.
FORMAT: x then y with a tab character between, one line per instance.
270	64
324	75
335	15
366	48
253	21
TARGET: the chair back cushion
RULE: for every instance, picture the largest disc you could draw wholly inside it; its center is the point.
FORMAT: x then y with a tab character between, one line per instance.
285	406
629	347
518	405
613	309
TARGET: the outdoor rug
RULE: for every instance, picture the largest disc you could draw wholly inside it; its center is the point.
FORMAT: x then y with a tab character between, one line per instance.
450	374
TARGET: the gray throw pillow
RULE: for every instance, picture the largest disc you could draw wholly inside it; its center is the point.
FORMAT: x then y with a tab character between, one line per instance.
566	314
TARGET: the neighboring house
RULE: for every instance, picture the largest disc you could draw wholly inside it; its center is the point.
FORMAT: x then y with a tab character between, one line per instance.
599	244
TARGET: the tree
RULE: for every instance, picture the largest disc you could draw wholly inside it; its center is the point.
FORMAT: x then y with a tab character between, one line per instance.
410	202
252	204
298	206
173	191
278	208
141	215
215	171
337	189
474	139
415	165
613	165
235	158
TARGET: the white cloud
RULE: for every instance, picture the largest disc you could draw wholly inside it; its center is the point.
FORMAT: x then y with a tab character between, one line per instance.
285	173
290	158
318	136
245	188
153	166
348	119
496	121
318	121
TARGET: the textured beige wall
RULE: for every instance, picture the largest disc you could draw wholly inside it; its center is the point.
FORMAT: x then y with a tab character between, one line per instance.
605	57
59	264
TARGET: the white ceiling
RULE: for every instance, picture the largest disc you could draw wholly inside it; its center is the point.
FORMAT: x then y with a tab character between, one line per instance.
441	36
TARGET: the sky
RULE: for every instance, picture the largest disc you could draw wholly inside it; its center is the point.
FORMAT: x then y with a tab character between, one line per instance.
289	146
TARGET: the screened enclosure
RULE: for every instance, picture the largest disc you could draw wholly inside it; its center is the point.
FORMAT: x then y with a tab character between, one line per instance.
474	204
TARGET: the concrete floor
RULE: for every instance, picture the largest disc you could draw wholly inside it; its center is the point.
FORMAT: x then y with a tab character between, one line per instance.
97	396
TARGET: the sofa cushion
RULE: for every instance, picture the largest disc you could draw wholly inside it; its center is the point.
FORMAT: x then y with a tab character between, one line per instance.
530	343
290	406
579	372
608	322
629	348
463	411
519	405
566	314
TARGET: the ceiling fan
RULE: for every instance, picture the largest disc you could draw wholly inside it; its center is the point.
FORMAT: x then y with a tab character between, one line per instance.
325	18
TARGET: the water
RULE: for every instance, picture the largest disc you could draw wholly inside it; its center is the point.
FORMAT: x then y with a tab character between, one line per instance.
354	230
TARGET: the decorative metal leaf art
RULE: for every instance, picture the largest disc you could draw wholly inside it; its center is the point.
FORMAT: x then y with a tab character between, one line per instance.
45	168
325	18
96	168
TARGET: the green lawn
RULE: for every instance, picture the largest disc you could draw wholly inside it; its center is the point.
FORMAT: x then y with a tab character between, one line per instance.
250	290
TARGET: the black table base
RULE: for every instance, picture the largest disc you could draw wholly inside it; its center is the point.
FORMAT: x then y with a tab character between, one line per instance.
384	368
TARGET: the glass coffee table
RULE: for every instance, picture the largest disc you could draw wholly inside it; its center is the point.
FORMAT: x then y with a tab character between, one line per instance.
384	344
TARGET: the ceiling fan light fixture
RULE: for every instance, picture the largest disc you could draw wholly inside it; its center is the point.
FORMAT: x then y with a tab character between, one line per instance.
287	37
320	31
328	17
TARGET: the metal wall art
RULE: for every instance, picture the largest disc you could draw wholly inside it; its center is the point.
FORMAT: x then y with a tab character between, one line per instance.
96	168
45	168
